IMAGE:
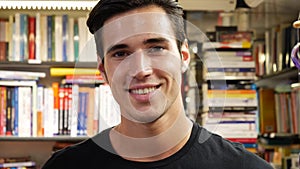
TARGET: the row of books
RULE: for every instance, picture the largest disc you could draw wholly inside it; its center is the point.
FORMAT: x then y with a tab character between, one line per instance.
42	37
231	96
57	110
273	54
279	111
228	56
283	157
17	163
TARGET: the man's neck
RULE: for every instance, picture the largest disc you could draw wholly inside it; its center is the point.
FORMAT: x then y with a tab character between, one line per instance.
152	141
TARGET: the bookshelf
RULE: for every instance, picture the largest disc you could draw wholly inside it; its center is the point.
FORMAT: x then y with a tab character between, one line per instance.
231	95
16	55
277	81
262	18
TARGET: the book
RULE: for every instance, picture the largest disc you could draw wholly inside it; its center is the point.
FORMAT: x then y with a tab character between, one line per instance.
226	45
3	110
49	122
21	75
18	164
61	109
70	51
49	38
40	110
15	105
267	116
56	122
14	159
58	38
9	113
16	38
228	98
82	113
65	38
3	51
73	71
31	38
23	37
24	115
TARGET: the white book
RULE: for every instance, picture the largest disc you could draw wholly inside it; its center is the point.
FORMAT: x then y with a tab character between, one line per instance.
87	46
74	113
38	37
43	36
227	53
16	38
82	31
48	116
34	110
22	164
102	114
96	110
24	119
71	57
3	31
10	36
21	75
17	83
229	64
40	109
58	38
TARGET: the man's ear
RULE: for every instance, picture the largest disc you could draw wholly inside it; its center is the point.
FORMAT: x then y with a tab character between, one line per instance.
185	54
101	68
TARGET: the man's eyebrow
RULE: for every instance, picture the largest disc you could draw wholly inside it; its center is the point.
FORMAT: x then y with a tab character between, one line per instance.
147	41
155	40
116	47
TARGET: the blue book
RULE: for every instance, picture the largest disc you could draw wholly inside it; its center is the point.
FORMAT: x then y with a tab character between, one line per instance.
15	104
23	37
82	113
49	38
65	37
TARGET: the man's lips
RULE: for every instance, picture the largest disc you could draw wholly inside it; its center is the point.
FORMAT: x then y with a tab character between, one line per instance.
143	89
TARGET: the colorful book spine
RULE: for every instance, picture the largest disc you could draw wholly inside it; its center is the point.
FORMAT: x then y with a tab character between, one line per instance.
3	111
16	112
76	41
49	38
39	110
23	37
9	120
82	113
31	37
65	38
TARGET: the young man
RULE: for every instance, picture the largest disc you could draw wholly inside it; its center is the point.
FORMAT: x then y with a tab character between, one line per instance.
142	52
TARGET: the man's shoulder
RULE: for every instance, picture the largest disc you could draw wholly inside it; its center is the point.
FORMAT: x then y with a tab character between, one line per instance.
78	155
227	152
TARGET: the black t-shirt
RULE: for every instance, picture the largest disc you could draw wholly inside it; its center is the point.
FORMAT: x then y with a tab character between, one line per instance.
204	150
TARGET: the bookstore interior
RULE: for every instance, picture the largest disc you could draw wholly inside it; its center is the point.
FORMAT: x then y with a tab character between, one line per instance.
242	82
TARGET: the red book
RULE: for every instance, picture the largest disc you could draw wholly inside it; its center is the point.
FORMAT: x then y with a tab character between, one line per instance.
243	140
31	37
2	111
3	51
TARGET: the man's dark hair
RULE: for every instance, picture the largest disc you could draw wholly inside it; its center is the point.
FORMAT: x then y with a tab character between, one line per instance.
106	9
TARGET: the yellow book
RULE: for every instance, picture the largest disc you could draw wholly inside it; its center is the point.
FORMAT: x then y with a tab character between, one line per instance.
73	71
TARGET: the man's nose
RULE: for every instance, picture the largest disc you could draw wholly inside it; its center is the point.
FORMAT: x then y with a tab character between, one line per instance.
140	66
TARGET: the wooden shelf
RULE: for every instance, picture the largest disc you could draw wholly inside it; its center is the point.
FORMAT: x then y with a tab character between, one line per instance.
46	65
284	77
54	138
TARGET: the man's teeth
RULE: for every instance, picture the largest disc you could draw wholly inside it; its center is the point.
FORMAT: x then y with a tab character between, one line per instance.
143	91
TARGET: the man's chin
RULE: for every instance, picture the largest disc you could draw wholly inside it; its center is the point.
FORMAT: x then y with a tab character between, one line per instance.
144	116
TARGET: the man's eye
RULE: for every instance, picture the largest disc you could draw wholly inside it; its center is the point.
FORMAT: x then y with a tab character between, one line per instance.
156	49
120	54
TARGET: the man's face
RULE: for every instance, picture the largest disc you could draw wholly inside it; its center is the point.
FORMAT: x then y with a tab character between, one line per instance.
142	63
